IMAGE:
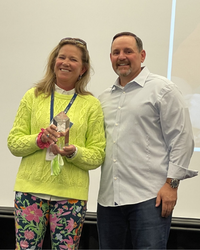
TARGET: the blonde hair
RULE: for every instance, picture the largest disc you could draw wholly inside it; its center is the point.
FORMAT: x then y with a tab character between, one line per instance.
47	84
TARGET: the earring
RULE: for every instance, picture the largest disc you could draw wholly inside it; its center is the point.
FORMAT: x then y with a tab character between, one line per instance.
79	78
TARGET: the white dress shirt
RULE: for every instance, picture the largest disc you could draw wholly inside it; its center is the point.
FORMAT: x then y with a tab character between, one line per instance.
149	138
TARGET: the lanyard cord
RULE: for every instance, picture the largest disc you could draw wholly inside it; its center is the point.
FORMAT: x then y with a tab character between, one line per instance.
66	109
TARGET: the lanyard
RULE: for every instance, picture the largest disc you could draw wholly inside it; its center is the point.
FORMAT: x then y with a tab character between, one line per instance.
66	109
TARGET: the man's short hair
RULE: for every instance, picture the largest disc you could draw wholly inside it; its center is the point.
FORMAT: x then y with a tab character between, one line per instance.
138	40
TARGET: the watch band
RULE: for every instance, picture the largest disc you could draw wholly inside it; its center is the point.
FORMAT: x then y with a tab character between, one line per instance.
174	183
72	155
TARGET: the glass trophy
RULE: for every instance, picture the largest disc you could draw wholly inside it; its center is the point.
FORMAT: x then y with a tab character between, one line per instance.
62	122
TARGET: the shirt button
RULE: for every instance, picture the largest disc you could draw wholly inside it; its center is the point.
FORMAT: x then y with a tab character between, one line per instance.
115	178
116	124
114	160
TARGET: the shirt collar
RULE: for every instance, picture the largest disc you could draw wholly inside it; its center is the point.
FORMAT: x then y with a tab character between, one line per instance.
139	79
64	92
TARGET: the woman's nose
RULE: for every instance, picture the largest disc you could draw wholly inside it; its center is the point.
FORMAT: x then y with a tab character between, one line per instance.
66	62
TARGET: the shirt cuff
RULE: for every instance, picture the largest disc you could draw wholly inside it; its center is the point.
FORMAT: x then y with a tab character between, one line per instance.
179	172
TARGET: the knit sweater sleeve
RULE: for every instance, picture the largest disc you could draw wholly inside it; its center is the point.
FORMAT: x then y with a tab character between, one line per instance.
92	155
20	140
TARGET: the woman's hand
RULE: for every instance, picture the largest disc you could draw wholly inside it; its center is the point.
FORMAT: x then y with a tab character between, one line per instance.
65	151
50	134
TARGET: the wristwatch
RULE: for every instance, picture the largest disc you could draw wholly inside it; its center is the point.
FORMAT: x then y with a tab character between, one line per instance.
173	182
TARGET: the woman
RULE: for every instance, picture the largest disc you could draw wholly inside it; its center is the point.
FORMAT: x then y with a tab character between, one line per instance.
43	196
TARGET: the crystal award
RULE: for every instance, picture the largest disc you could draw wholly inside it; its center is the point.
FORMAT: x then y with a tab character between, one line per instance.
62	122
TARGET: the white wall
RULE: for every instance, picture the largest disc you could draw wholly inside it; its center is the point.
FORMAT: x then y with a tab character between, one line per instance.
30	30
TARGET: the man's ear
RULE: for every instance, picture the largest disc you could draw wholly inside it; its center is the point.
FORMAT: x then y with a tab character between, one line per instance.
110	57
143	55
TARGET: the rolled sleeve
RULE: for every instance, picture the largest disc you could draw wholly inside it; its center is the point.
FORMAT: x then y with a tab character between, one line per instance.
180	172
177	132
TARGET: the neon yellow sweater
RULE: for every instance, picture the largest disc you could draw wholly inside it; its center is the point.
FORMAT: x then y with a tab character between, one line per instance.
87	134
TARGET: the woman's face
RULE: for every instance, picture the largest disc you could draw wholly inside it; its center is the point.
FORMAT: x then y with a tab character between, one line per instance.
68	66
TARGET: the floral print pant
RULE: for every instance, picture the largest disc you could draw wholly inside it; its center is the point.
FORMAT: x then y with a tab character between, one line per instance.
33	214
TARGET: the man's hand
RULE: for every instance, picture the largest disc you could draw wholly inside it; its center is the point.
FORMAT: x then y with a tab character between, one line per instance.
168	196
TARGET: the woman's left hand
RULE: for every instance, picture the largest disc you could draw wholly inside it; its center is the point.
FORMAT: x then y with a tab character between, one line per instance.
65	151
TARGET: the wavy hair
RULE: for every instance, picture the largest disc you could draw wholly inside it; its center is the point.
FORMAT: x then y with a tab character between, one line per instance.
47	84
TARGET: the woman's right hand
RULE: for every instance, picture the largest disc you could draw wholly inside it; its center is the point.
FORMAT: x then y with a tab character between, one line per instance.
50	134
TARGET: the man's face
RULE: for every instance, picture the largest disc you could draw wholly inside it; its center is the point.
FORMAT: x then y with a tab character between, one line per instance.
126	58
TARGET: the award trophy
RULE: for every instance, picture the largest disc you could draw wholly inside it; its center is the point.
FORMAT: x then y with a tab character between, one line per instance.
62	122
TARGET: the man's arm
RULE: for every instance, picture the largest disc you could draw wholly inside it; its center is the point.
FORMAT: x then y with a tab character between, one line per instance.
177	133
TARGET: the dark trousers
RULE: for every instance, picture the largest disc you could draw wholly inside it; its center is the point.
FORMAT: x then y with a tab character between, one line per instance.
148	230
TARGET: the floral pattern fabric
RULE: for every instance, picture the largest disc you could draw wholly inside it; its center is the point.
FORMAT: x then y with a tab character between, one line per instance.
33	214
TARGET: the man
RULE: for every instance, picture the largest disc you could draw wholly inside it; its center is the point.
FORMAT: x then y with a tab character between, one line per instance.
149	146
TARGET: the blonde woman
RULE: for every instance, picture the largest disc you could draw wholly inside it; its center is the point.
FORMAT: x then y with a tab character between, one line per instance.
58	199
